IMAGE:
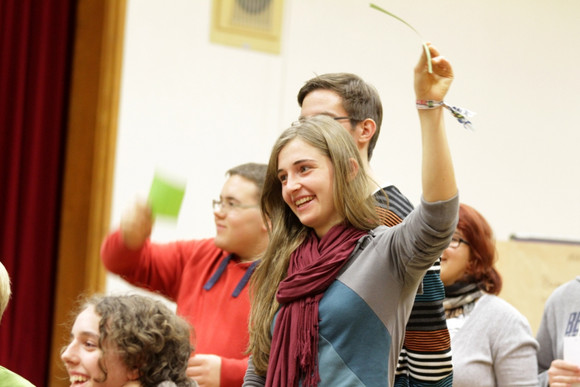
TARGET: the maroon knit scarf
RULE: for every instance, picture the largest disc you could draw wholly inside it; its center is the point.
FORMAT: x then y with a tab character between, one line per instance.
313	266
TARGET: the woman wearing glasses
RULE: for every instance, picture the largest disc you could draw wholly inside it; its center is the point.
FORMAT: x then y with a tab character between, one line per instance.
491	341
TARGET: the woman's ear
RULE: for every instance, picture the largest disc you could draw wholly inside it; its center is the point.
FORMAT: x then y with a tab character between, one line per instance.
354	167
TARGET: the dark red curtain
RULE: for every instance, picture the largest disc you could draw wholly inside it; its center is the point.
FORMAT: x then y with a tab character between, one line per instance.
36	40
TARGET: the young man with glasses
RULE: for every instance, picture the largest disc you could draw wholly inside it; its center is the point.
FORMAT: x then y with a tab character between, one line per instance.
425	358
206	278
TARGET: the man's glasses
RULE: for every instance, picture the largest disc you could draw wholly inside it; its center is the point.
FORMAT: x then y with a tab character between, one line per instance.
226	206
297	123
342	118
455	242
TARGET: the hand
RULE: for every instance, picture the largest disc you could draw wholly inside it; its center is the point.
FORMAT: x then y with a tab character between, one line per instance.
205	369
432	86
136	225
563	374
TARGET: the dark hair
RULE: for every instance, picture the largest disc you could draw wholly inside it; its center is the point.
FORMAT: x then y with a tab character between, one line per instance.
360	99
254	172
146	334
479	234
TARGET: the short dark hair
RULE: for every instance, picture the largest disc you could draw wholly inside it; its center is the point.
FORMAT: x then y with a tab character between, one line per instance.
360	99
255	172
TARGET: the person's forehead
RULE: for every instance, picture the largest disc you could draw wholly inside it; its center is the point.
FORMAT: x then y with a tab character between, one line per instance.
87	321
322	101
239	188
296	152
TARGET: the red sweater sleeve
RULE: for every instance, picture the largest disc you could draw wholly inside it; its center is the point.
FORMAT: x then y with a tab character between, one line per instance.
156	267
116	257
233	371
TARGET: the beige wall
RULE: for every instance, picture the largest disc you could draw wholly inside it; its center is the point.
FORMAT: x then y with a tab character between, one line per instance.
531	271
195	109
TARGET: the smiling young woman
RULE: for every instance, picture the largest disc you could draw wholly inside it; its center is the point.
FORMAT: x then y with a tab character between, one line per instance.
319	312
130	340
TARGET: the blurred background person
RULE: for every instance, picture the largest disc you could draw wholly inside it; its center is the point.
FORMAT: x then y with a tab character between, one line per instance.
561	319
207	278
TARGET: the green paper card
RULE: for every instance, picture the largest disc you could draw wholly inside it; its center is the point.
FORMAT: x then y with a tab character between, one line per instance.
165	196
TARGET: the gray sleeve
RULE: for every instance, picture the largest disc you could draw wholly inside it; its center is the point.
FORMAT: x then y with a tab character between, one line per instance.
545	354
252	379
423	236
561	303
515	359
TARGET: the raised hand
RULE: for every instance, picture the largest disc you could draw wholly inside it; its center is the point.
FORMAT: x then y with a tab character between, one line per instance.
136	225
432	86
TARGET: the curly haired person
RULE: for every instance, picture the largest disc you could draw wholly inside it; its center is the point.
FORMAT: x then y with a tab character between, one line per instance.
129	341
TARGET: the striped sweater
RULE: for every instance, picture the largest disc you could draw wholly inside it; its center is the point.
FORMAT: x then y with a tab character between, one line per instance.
425	359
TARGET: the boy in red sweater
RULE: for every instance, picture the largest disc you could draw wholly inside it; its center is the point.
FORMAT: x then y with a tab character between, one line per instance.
206	278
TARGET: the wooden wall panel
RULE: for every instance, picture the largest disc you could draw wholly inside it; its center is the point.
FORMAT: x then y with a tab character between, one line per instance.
532	270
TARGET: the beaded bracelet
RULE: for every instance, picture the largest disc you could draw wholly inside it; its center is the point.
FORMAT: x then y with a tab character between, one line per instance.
461	114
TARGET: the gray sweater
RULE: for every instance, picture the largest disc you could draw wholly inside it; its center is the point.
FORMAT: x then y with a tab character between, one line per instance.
561	318
494	347
363	313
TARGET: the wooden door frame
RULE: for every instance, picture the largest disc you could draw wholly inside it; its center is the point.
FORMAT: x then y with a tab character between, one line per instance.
89	163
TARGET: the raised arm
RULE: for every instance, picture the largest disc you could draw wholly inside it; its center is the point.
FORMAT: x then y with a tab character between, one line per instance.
438	177
121	250
136	225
